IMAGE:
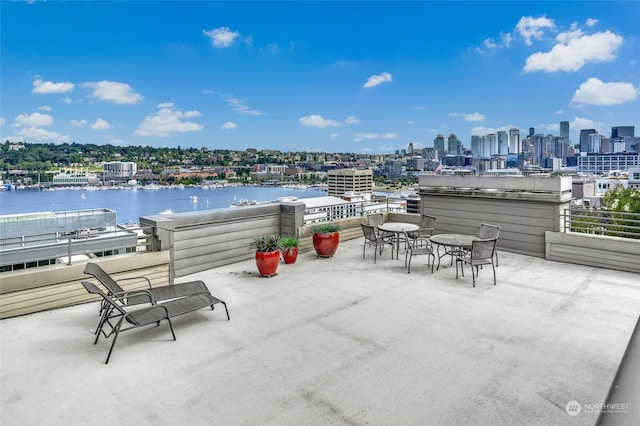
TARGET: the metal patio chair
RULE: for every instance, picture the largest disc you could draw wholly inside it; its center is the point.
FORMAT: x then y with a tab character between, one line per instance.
481	253
373	239
489	232
417	246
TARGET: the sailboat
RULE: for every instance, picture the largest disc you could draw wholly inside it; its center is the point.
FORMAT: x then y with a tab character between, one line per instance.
194	199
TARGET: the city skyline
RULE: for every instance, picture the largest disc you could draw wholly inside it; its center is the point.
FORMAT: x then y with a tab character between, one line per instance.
362	77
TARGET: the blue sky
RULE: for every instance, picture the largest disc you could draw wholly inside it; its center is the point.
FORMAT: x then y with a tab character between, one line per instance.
366	77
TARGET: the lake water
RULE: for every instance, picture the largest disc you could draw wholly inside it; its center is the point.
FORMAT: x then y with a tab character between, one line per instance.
131	204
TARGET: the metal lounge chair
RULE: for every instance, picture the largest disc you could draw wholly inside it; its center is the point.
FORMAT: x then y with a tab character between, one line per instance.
417	246
138	318
481	254
371	238
118	314
151	295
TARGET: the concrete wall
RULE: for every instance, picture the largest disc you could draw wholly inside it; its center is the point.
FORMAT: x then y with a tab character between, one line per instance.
593	250
524	208
50	287
198	241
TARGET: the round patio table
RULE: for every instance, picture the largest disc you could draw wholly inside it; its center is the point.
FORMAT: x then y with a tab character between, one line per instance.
397	228
452	243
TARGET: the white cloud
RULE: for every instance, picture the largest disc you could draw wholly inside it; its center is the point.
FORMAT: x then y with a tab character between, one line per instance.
239	106
2	121
165	105
36	119
100	124
316	120
351	120
43	135
559	112
333	135
574	50
388	136
67	100
45	87
585	123
45	108
363	135
411	122
113	91
489	43
221	37
78	123
596	92
229	125
533	28
165	122
476	116
591	22
420	108
375	80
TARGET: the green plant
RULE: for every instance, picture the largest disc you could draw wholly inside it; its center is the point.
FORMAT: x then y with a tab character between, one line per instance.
326	228
267	243
289	242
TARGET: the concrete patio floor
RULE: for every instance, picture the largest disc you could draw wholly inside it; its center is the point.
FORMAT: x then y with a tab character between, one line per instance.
338	341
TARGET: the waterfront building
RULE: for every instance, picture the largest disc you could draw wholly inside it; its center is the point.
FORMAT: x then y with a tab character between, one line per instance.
75	179
120	169
340	181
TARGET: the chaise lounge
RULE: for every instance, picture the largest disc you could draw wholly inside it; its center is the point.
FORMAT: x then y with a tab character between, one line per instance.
115	314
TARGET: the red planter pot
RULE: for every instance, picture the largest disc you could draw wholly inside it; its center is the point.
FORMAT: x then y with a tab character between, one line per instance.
290	255
326	243
267	262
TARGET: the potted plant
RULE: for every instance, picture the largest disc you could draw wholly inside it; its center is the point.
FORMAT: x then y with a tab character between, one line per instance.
267	254
289	247
325	239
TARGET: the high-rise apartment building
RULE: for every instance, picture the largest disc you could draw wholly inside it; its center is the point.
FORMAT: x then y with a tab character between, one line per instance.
454	146
345	180
515	145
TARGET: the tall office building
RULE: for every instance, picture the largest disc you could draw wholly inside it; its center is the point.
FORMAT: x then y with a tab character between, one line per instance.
564	129
438	144
410	150
475	145
584	139
515	145
503	143
532	131
340	181
624	134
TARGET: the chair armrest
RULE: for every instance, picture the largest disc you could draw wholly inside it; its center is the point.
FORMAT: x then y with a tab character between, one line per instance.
141	293
136	278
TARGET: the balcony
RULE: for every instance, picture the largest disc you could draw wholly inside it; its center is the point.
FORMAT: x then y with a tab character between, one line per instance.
340	341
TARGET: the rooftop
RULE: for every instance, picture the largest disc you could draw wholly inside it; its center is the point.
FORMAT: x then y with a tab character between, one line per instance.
338	341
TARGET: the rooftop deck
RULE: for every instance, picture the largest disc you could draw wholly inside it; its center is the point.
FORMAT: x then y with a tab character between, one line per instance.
338	341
